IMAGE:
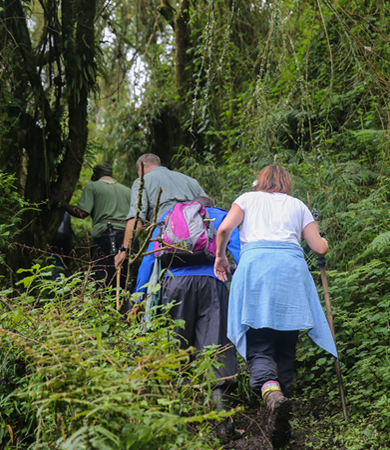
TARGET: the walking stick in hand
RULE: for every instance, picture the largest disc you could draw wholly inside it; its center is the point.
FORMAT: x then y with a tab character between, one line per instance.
324	279
118	283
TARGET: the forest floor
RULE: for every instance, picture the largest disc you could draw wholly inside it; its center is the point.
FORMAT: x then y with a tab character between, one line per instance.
251	432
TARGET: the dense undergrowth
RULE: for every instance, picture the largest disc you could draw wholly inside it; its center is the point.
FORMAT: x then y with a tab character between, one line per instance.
75	375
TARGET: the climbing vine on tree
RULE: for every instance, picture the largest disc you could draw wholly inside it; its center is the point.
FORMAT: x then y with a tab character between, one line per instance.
48	72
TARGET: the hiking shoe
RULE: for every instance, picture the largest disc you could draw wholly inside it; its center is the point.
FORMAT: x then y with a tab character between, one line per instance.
278	410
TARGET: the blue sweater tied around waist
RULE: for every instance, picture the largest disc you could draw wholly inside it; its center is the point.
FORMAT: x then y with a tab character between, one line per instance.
273	288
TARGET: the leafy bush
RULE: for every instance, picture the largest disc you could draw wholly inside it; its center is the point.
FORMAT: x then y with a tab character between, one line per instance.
360	293
12	205
77	376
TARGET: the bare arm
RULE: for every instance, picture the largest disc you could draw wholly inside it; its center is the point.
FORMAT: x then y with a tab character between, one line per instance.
234	218
317	243
121	256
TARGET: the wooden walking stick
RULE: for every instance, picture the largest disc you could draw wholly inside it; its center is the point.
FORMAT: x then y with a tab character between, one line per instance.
118	283
324	279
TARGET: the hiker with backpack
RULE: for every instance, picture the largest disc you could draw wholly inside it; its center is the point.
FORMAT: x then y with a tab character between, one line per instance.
202	299
272	295
176	187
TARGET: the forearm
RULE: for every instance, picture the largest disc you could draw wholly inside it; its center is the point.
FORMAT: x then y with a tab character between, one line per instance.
222	241
318	244
128	238
323	250
221	264
73	210
128	233
127	241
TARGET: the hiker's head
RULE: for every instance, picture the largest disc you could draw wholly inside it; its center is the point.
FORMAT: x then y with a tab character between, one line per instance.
205	201
101	170
150	161
273	178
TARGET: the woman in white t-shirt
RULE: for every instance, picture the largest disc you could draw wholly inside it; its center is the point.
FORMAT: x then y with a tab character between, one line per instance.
272	295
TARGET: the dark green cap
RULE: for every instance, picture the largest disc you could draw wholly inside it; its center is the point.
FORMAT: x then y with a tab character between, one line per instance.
100	170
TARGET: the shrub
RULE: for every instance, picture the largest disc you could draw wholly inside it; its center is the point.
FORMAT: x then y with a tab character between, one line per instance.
78	376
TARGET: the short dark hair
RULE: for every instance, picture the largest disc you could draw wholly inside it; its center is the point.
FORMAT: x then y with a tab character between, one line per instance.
274	178
149	159
205	201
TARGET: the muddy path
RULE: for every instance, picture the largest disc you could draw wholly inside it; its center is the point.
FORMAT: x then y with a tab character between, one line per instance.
250	433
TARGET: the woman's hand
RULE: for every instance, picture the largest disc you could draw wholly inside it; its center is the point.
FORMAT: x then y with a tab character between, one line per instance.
221	268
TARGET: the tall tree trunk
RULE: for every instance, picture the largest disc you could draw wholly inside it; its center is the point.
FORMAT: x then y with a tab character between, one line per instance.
182	43
80	74
46	152
182	76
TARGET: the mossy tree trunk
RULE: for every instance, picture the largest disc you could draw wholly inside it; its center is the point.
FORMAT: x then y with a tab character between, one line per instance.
49	73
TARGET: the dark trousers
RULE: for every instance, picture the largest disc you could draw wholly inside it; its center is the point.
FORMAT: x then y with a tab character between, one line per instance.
270	355
204	305
103	263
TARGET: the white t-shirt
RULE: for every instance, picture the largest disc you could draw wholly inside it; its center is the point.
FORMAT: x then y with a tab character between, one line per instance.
272	217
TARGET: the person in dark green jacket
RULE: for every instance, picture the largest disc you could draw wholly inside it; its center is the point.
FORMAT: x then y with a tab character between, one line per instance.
107	202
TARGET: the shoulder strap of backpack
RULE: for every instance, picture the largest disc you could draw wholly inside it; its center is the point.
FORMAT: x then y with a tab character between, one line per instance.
211	231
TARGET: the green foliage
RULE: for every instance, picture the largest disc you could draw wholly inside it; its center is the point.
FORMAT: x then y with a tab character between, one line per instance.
50	58
77	376
12	206
360	295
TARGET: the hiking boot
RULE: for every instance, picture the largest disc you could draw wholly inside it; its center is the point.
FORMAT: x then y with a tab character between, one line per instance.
278	410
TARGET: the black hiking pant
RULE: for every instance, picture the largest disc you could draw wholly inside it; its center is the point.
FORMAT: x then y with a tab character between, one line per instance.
270	356
204	305
103	262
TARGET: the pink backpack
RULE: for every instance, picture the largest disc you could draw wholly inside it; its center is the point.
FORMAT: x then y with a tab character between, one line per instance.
187	226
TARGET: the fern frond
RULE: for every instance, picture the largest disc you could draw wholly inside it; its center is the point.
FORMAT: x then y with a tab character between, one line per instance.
311	258
381	242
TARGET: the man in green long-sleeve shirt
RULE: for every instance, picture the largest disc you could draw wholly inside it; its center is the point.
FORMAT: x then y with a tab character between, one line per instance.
107	202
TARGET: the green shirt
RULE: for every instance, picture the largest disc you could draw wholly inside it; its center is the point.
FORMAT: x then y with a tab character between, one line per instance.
176	187
106	201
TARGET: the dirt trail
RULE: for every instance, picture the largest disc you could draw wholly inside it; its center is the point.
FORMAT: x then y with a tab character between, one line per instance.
250	426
